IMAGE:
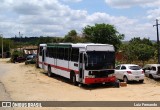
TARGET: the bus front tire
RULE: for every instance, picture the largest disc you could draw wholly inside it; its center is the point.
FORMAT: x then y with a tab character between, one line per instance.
49	73
73	79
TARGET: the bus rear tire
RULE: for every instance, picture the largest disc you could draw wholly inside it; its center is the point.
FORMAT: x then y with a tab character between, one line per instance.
49	73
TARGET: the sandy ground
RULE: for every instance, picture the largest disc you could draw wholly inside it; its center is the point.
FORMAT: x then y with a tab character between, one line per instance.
26	83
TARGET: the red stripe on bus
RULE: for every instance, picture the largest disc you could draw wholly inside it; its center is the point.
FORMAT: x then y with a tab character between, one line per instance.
40	62
59	67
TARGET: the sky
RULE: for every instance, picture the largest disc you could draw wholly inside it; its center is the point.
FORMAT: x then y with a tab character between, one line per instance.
133	18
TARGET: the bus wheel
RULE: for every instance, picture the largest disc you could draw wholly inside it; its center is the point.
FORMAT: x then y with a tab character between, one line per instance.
49	71
74	80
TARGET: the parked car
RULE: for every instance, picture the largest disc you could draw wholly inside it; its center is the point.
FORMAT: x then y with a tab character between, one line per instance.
31	56
31	59
129	72
19	59
152	70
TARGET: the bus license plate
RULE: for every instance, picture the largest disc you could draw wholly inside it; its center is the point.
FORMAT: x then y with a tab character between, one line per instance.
136	76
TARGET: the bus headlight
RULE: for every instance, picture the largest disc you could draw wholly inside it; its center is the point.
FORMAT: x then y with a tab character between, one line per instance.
90	76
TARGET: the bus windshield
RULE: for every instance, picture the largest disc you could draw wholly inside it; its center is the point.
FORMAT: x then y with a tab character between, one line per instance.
97	60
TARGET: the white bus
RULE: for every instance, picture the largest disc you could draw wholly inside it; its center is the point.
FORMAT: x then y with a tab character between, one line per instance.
81	63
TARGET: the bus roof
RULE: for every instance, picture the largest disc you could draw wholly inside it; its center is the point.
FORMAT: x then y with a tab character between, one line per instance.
87	46
84	45
76	44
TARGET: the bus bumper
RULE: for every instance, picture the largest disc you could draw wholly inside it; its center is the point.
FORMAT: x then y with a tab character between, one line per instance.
100	80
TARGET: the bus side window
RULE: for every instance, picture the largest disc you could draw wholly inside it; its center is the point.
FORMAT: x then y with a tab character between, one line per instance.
65	53
69	53
61	52
57	52
40	51
53	52
47	53
75	54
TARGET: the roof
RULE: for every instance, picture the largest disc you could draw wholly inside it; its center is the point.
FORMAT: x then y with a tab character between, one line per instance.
129	64
89	44
78	45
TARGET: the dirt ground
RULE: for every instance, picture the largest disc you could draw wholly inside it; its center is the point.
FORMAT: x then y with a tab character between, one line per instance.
26	83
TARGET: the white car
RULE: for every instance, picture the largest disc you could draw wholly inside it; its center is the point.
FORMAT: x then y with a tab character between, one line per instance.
152	71
129	72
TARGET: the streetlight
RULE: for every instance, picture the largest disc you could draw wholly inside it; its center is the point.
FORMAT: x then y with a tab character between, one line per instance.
2	44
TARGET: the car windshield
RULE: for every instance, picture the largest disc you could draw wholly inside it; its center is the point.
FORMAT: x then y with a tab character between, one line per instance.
97	60
134	67
31	56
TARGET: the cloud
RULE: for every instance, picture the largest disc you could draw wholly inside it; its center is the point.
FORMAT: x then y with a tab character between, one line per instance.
53	18
72	0
106	18
130	27
130	3
27	8
44	15
153	14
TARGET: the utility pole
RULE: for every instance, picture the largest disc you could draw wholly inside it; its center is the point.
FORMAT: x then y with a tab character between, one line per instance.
157	40
20	40
2	44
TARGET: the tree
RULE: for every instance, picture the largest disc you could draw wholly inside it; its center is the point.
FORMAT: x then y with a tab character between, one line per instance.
144	52
135	40
138	40
72	33
103	33
7	44
128	52
72	37
138	49
44	40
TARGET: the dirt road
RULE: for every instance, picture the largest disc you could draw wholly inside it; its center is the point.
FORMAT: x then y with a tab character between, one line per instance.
5	96
26	83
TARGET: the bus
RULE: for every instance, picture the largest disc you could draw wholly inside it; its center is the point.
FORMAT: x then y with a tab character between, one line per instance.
82	63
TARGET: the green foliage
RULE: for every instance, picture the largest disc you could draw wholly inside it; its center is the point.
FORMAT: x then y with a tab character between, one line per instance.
103	33
138	49
15	54
72	33
138	40
6	44
73	37
128	52
144	52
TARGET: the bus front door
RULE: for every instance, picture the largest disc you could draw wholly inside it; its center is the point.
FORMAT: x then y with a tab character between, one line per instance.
81	67
43	58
